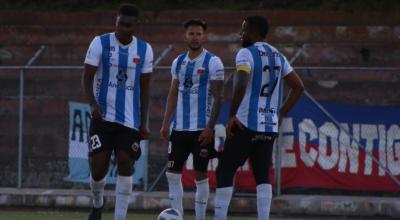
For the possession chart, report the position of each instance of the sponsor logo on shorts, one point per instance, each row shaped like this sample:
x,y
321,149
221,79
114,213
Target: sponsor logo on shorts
x,y
261,137
135,147
203,153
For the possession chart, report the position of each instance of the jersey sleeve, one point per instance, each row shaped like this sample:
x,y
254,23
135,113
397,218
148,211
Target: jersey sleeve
x,y
93,54
243,62
287,68
216,68
174,74
148,60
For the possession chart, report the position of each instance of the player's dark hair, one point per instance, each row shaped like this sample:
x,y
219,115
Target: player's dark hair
x,y
128,9
195,22
258,24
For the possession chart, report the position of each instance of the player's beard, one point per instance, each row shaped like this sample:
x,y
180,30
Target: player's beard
x,y
195,48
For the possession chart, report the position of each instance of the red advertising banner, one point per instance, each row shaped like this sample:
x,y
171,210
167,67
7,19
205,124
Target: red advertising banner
x,y
316,153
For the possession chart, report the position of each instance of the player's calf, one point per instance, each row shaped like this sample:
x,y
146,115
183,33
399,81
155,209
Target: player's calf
x,y
175,190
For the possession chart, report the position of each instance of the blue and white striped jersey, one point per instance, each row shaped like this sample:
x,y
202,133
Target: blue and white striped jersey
x,y
259,109
117,82
195,100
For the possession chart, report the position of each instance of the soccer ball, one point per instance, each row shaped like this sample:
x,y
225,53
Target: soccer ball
x,y
170,214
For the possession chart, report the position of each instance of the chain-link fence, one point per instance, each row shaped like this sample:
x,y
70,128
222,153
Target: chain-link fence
x,y
317,151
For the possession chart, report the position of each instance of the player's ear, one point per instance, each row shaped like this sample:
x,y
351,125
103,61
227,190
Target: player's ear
x,y
116,20
184,36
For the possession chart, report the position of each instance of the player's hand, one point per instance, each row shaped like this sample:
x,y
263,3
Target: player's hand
x,y
95,112
206,136
144,132
233,121
164,133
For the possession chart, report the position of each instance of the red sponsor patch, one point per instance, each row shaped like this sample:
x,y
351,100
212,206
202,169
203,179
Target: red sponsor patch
x,y
200,71
136,60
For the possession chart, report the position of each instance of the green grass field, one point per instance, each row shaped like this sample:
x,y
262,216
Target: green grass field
x,y
30,214
42,215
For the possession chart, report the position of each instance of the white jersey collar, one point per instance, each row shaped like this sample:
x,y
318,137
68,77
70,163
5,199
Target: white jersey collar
x,y
122,45
198,57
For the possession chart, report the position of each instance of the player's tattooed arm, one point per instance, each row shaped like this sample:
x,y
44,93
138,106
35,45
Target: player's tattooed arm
x,y
145,80
87,86
217,91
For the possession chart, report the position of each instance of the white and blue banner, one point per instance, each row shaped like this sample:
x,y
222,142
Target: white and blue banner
x,y
79,123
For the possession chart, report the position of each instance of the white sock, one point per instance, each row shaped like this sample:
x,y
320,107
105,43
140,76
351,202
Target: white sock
x,y
175,190
264,197
97,188
222,199
202,192
123,192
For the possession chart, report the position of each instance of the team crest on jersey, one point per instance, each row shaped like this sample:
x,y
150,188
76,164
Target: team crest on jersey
x,y
200,71
188,83
122,76
136,59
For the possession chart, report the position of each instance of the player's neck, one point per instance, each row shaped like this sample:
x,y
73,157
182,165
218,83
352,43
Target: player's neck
x,y
259,40
193,54
123,39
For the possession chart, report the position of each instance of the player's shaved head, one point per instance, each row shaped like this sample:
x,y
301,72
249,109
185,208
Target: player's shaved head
x,y
126,22
128,10
195,22
257,24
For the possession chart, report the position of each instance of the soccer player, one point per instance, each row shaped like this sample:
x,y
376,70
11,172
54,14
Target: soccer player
x,y
116,83
255,114
195,95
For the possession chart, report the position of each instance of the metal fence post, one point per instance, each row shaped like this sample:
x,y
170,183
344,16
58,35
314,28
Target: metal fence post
x,y
20,126
21,113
